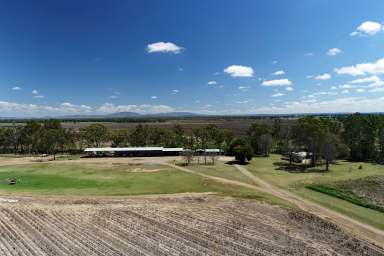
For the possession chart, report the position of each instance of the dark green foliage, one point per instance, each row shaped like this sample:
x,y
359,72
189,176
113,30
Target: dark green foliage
x,y
345,195
241,150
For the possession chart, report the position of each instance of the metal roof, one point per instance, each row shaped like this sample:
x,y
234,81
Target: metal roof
x,y
132,149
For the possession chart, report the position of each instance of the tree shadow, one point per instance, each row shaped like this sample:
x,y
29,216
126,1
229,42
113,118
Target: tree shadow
x,y
296,168
236,162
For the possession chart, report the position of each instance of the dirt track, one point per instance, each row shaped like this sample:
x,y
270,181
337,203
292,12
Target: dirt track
x,y
187,225
372,234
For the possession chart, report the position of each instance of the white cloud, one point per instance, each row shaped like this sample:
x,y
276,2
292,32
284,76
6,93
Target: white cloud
x,y
289,89
278,73
206,106
308,54
144,108
277,82
243,88
380,89
367,28
212,82
371,79
333,88
279,94
154,97
20,109
360,90
275,62
16,88
347,105
175,91
164,47
113,97
325,76
35,92
239,71
345,91
309,76
38,96
362,68
334,51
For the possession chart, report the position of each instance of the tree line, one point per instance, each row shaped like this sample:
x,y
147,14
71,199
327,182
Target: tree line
x,y
355,137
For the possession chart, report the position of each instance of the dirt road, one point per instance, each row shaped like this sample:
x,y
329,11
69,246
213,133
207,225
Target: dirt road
x,y
367,232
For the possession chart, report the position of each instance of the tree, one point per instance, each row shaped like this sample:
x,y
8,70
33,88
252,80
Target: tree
x,y
96,134
309,134
254,133
139,136
188,156
120,138
266,144
241,150
329,150
243,153
359,135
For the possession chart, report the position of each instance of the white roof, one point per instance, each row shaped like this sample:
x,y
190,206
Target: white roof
x,y
172,149
132,149
123,149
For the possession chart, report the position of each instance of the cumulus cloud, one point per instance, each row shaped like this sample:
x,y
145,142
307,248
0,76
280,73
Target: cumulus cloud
x,y
360,90
277,82
243,88
334,51
16,88
278,73
362,69
212,82
21,109
371,79
239,71
347,105
367,28
279,94
289,89
38,96
175,91
166,47
325,76
154,97
144,108
35,92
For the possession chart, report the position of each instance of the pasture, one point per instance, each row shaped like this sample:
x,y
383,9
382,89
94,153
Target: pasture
x,y
271,170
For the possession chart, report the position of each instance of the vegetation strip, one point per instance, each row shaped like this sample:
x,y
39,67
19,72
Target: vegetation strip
x,y
345,195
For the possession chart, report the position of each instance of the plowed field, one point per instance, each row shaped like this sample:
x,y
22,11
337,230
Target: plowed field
x,y
178,225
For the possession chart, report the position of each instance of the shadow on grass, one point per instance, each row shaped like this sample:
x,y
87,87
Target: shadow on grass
x,y
236,162
296,168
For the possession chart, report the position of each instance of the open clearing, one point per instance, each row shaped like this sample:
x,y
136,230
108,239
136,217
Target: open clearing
x,y
74,181
177,225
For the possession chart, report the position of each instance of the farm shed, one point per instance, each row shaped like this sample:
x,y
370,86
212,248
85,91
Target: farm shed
x,y
134,151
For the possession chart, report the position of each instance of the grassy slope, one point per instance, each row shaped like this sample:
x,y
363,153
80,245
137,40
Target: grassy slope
x,y
84,180
296,182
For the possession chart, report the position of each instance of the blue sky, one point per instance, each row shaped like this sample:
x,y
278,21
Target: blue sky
x,y
213,57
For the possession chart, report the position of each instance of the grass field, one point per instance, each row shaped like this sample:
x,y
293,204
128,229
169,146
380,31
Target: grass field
x,y
268,169
220,169
114,180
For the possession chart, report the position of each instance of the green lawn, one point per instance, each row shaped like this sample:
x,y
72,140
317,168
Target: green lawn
x,y
74,179
267,169
220,169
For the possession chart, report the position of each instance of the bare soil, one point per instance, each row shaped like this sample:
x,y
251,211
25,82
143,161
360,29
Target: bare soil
x,y
172,225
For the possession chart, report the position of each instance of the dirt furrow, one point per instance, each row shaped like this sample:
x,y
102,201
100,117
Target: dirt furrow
x,y
204,239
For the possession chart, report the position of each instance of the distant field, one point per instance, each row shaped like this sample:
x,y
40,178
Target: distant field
x,y
238,126
268,169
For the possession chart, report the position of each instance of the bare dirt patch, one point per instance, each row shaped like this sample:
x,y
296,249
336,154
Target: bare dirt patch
x,y
172,225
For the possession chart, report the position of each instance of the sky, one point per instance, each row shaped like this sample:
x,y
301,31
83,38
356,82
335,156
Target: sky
x,y
219,57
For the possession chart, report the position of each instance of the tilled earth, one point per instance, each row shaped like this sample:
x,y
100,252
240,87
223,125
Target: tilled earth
x,y
169,225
